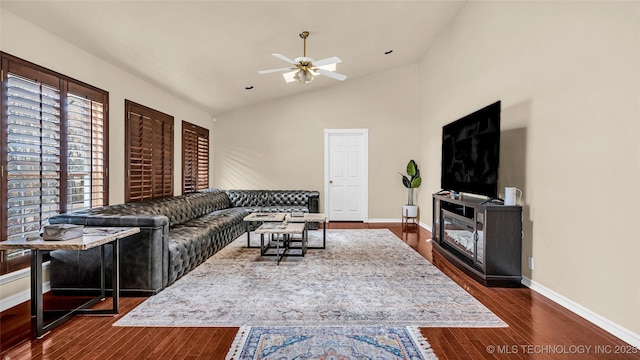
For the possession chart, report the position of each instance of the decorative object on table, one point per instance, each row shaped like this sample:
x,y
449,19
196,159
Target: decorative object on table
x,y
411,181
62,232
297,214
371,342
237,287
510,194
304,69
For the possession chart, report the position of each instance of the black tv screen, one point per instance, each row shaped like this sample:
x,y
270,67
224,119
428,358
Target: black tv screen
x,y
471,153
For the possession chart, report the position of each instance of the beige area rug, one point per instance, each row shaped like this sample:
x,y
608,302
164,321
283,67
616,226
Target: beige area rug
x,y
363,278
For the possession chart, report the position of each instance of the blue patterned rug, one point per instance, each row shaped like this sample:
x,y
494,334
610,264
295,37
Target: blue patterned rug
x,y
345,343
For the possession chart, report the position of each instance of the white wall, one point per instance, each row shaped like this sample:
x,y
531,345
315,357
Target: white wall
x,y
280,144
568,74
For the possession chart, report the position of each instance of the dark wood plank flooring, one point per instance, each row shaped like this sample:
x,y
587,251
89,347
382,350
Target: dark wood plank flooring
x,y
538,328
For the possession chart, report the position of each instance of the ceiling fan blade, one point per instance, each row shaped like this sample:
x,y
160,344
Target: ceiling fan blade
x,y
327,61
331,74
289,77
262,72
284,58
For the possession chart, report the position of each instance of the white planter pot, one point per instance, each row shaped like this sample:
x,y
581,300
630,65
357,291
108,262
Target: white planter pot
x,y
410,210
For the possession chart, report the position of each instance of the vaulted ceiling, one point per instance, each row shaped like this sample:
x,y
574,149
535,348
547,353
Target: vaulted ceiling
x,y
207,52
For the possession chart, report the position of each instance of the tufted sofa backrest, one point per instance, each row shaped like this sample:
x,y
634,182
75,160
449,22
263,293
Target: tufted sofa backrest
x,y
247,198
289,198
209,200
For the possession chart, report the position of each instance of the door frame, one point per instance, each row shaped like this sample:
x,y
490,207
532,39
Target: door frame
x,y
365,168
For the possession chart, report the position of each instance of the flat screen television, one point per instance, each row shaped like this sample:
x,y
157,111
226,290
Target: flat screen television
x,y
471,153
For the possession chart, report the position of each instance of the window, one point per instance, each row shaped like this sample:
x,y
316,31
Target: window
x,y
195,158
149,153
54,150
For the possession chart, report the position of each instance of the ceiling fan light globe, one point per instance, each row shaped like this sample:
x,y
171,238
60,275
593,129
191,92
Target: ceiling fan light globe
x,y
304,77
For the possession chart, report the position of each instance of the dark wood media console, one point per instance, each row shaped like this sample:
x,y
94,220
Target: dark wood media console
x,y
482,239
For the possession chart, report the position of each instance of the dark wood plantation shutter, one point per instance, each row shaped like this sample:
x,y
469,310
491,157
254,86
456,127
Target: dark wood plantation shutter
x,y
203,159
149,152
54,150
195,157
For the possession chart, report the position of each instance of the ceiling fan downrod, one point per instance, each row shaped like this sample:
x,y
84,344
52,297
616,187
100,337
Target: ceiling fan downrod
x,y
304,35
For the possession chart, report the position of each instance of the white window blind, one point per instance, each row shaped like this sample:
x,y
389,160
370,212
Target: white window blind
x,y
33,155
85,159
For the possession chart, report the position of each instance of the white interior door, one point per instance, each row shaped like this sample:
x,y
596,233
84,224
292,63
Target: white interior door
x,y
346,174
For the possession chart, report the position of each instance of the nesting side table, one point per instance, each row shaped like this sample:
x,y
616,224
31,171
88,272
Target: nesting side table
x,y
97,237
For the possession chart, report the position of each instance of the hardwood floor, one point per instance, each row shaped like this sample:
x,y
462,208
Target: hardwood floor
x,y
538,328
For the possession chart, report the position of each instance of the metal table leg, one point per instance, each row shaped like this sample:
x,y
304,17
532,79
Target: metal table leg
x,y
324,237
37,305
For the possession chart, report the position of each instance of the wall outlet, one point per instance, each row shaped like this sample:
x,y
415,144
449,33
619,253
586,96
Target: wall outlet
x,y
531,264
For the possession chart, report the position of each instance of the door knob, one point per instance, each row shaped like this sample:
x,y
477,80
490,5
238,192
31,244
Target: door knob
x,y
330,181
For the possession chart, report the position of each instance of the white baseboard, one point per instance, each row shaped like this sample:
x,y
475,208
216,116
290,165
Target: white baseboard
x,y
609,326
19,298
24,295
370,220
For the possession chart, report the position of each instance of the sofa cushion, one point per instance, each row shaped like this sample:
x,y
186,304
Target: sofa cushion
x,y
194,241
187,249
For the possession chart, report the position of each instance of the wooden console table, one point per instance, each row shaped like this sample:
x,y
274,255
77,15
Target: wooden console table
x,y
98,237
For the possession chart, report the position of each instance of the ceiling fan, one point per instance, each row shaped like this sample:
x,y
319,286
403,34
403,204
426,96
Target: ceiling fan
x,y
305,69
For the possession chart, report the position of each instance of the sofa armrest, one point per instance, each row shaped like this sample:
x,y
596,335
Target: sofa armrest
x,y
314,202
115,220
144,257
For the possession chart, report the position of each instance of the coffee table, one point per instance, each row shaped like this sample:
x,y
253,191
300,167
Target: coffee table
x,y
100,237
262,218
281,229
307,218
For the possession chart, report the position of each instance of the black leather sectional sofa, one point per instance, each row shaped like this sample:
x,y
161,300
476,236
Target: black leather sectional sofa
x,y
176,235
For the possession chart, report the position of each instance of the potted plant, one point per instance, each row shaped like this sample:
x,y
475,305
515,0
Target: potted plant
x,y
411,181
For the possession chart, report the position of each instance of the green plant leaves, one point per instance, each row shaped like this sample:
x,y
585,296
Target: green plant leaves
x,y
412,179
412,168
406,182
